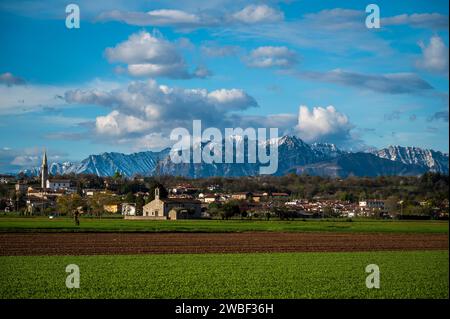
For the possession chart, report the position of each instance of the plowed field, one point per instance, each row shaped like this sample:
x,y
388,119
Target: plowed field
x,y
248,242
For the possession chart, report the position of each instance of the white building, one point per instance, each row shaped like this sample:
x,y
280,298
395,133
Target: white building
x,y
58,184
371,204
210,198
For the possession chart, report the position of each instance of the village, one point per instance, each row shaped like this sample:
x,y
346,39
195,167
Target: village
x,y
185,201
62,197
171,199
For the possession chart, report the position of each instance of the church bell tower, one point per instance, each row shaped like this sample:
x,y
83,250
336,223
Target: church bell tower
x,y
44,171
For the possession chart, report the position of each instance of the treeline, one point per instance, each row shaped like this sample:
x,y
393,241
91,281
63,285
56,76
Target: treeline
x,y
430,186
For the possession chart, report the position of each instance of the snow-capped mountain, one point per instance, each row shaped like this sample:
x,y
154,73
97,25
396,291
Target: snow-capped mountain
x,y
60,168
294,156
107,164
435,161
327,149
32,171
360,164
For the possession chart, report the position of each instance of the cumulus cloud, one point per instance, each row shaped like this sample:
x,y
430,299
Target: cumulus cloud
x,y
394,83
323,125
150,56
13,160
434,56
250,14
19,99
418,20
285,122
116,123
165,16
145,108
337,30
162,17
9,79
144,113
257,14
272,57
154,141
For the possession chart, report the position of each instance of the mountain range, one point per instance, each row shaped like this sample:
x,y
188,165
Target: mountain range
x,y
295,156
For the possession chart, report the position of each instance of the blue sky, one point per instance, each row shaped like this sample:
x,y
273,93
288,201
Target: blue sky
x,y
135,70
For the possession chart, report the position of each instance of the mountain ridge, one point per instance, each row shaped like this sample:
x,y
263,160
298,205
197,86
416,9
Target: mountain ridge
x,y
295,155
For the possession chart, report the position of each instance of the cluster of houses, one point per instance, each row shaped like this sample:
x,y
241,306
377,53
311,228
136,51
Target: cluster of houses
x,y
340,208
186,201
40,198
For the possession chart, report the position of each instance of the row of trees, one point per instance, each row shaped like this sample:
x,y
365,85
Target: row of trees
x,y
430,186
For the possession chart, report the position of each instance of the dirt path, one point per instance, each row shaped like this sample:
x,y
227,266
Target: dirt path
x,y
129,243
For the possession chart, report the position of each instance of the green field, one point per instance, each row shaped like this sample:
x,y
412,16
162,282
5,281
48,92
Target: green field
x,y
418,274
44,224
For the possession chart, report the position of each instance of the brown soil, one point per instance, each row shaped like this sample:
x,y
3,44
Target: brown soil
x,y
149,243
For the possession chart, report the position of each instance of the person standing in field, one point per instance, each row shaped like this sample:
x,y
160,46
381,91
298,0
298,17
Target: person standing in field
x,y
76,218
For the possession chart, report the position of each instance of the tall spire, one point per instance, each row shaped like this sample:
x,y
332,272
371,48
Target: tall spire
x,y
44,171
44,158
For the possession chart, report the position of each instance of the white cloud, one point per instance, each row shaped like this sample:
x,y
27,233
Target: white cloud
x,y
233,99
144,113
257,14
418,20
25,160
150,56
272,57
9,79
393,83
156,70
323,124
434,56
14,159
165,16
144,108
116,123
143,47
153,141
162,17
339,31
250,14
18,99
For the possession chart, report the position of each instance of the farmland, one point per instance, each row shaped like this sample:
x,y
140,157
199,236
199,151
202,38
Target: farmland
x,y
413,274
62,224
222,258
183,243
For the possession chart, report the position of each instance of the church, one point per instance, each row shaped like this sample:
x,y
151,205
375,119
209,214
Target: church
x,y
54,184
171,208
